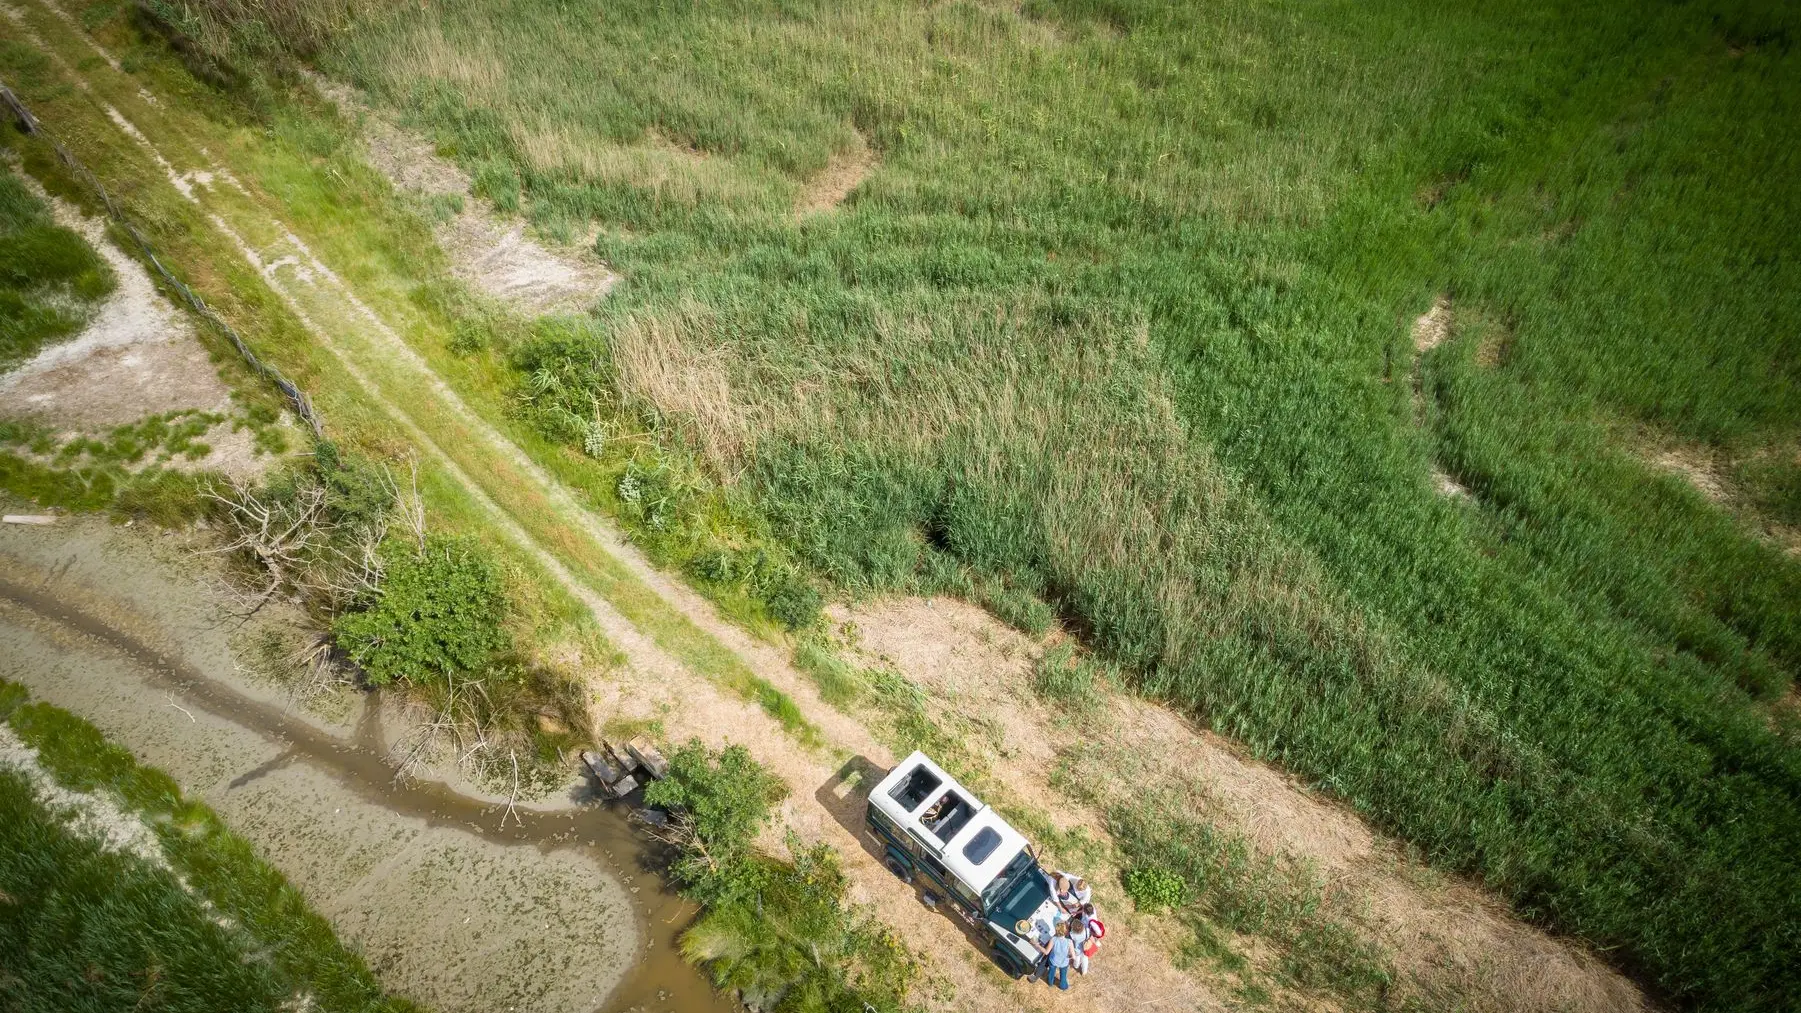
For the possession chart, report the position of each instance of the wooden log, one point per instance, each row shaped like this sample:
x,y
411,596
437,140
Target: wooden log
x,y
621,760
598,765
647,754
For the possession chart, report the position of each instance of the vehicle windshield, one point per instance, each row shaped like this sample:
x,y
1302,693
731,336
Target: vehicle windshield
x,y
1017,892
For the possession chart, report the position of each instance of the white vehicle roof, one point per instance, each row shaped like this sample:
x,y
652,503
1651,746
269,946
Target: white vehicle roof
x,y
977,851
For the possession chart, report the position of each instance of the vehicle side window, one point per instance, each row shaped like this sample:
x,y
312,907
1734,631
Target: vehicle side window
x,y
938,869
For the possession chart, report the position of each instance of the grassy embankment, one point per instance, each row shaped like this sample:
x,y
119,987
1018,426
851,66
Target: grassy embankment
x,y
1120,320
529,623
91,926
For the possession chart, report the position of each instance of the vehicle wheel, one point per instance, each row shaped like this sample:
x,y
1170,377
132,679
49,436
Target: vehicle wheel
x,y
901,872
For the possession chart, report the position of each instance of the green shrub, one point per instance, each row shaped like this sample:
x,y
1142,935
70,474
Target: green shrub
x,y
438,613
358,493
777,933
1155,889
787,596
725,798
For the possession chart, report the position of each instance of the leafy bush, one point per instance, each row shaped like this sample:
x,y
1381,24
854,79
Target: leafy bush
x,y
438,613
723,799
793,948
777,933
1155,889
786,595
358,493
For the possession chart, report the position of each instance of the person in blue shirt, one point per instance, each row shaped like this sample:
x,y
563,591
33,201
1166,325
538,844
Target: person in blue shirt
x,y
1058,954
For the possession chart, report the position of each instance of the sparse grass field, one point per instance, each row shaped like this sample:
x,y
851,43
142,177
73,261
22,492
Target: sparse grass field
x,y
1118,325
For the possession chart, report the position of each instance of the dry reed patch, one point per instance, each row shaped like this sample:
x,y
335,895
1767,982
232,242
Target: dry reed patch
x,y
670,172
1445,935
426,55
676,381
846,170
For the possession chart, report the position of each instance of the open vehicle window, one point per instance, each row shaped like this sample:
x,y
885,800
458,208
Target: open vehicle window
x,y
918,786
947,815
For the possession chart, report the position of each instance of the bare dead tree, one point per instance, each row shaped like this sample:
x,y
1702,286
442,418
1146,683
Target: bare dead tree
x,y
679,832
279,533
514,797
410,506
321,671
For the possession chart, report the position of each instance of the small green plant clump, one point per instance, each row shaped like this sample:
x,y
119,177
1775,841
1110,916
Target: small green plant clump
x,y
167,436
775,932
438,613
1214,879
1155,889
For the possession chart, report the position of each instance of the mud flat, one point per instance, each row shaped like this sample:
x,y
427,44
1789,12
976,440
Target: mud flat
x,y
553,911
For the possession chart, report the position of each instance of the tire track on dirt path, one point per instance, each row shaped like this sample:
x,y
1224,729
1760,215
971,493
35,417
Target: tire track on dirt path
x,y
302,282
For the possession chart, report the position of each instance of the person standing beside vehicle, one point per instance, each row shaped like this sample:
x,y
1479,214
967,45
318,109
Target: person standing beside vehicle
x,y
1058,956
1080,935
1081,891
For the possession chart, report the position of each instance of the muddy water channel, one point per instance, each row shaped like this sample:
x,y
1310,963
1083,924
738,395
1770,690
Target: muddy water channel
x,y
557,910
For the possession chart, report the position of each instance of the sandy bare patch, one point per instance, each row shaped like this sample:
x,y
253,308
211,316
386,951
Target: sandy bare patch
x,y
491,254
845,171
137,357
1432,327
1698,468
1447,486
1446,934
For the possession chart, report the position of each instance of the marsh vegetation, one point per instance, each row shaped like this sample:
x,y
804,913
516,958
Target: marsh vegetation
x,y
1111,325
1119,322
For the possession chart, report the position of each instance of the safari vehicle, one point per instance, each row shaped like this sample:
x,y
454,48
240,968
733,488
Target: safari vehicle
x,y
932,826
